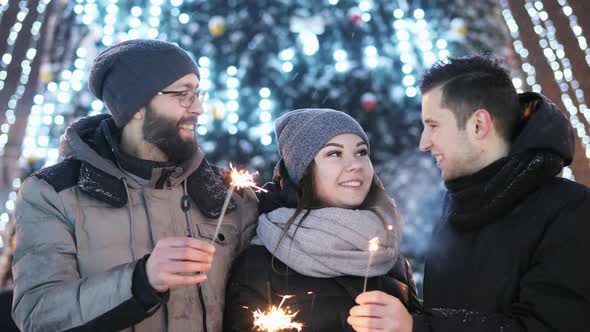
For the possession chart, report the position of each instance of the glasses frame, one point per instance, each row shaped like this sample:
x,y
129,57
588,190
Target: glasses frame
x,y
188,96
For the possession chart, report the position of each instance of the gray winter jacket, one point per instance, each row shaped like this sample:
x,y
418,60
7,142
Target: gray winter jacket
x,y
84,226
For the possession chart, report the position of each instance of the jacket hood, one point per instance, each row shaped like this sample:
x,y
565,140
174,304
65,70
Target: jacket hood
x,y
81,141
89,149
542,146
543,127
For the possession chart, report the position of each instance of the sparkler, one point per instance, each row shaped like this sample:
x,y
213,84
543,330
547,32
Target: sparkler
x,y
312,299
312,302
276,319
239,179
373,246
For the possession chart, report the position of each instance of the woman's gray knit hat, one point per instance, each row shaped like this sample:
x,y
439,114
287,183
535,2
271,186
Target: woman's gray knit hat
x,y
301,134
127,75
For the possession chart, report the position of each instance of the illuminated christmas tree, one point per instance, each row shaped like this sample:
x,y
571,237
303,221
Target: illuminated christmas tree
x,y
259,59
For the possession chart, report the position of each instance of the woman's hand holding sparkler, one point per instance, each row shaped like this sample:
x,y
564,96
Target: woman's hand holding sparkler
x,y
379,311
178,261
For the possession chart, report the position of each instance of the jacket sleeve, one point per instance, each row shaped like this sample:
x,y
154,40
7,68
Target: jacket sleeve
x,y
403,286
49,294
554,293
413,302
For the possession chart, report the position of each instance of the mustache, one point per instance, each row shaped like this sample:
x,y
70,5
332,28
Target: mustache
x,y
188,119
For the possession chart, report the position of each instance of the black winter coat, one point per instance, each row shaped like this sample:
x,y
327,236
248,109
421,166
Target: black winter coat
x,y
511,251
323,304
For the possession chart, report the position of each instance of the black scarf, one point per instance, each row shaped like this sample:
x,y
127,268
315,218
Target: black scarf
x,y
477,200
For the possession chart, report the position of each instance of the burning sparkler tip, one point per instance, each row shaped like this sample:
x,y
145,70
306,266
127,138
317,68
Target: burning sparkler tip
x,y
374,244
276,319
242,179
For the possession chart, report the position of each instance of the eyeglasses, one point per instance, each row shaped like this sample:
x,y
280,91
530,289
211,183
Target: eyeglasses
x,y
186,98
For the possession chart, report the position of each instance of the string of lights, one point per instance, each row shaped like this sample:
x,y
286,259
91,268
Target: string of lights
x,y
404,46
576,28
4,5
565,62
36,140
527,67
265,116
205,84
15,30
418,30
155,10
232,106
554,52
31,53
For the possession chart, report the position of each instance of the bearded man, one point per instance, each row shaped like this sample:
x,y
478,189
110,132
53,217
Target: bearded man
x,y
117,235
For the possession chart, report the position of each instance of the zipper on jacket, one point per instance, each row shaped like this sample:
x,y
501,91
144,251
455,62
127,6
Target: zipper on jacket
x,y
185,205
165,176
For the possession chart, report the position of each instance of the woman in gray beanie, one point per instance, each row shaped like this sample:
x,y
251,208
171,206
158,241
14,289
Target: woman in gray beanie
x,y
323,207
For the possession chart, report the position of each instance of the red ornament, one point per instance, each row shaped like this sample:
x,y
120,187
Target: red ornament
x,y
369,102
355,16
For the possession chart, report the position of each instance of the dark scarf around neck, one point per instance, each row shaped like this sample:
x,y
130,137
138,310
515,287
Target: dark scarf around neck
x,y
479,199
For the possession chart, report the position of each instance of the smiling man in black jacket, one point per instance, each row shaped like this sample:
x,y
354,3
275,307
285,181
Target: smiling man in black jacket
x,y
509,251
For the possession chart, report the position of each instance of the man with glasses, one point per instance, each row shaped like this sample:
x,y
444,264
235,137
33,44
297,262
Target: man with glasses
x,y
117,235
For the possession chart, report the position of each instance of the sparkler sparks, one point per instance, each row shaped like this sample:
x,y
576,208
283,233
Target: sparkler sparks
x,y
374,244
276,319
239,179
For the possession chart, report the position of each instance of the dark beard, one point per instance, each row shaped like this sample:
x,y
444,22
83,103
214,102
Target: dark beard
x,y
164,134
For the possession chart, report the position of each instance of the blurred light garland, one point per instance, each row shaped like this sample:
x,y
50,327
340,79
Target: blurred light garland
x,y
15,30
527,67
4,5
554,52
31,53
576,28
13,100
245,108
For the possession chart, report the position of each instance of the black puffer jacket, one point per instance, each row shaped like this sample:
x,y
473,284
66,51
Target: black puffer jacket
x,y
323,304
511,250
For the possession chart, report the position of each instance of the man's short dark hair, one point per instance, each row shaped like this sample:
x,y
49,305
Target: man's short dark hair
x,y
472,83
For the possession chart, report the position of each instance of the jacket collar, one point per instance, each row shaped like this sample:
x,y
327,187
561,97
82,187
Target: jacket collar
x,y
108,141
206,186
542,145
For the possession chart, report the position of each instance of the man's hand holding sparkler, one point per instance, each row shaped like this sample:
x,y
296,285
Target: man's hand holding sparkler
x,y
379,311
178,261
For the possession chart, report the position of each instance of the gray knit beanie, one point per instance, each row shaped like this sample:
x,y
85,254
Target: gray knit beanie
x,y
301,134
127,75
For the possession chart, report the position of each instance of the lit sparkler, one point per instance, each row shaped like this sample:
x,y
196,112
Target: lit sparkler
x,y
276,319
373,246
239,179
